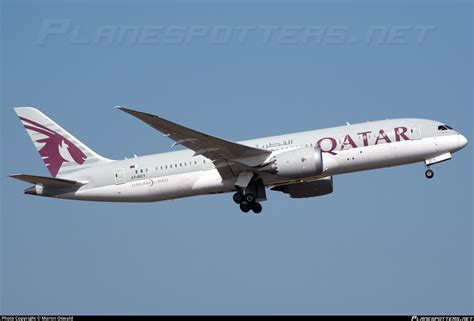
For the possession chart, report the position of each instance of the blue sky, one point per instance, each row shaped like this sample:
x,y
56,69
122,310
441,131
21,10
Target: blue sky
x,y
387,241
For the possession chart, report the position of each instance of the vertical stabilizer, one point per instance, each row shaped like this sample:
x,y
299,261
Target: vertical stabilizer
x,y
61,152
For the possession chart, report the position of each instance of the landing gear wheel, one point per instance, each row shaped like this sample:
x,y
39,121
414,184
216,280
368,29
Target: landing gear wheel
x,y
238,198
257,208
429,174
250,198
244,207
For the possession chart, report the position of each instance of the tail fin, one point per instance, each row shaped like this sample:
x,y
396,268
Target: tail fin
x,y
62,153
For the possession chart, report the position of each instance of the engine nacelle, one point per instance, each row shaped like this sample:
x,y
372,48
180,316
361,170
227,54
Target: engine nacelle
x,y
307,189
297,163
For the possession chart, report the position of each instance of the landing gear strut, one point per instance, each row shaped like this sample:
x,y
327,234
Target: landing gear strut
x,y
429,173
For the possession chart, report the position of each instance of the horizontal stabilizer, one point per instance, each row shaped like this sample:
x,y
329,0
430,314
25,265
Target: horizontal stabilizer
x,y
46,181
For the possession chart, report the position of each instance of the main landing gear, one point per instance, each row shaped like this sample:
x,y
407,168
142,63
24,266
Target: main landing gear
x,y
250,192
247,202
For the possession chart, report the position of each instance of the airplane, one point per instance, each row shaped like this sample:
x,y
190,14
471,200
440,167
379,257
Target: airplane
x,y
301,165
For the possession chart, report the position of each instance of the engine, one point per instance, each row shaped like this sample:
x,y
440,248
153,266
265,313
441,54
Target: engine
x,y
307,189
297,163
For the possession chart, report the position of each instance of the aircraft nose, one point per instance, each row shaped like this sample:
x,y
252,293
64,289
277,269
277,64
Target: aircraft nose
x,y
462,141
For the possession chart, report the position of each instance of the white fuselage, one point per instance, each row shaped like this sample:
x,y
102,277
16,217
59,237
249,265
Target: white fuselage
x,y
346,149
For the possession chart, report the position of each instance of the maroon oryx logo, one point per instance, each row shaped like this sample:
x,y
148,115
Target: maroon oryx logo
x,y
56,149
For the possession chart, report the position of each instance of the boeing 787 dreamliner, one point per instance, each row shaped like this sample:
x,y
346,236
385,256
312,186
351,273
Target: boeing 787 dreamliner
x,y
300,164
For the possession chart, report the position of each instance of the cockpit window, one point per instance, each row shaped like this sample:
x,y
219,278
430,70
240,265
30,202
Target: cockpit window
x,y
448,127
441,127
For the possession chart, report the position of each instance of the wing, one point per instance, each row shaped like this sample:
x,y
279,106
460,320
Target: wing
x,y
217,149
